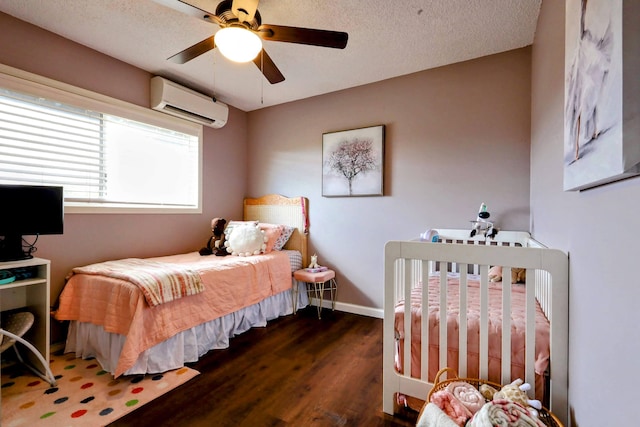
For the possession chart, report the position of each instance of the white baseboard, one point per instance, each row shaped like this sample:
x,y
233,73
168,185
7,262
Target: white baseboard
x,y
353,309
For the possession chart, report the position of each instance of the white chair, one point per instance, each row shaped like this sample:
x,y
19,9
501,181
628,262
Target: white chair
x,y
15,325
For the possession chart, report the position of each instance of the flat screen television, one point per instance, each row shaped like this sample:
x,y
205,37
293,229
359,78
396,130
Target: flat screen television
x,y
28,210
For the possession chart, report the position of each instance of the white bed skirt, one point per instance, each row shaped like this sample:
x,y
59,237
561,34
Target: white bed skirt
x,y
87,340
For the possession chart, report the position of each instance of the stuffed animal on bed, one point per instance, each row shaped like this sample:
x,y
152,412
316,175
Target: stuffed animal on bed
x,y
514,392
215,245
518,275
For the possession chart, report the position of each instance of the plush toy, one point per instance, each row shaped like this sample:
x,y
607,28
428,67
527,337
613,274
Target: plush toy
x,y
483,227
215,245
314,261
518,275
246,240
515,392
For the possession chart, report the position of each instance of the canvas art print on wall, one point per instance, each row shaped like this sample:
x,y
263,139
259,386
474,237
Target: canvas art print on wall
x,y
595,152
353,162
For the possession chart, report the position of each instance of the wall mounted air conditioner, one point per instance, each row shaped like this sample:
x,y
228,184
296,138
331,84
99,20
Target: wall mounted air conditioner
x,y
171,98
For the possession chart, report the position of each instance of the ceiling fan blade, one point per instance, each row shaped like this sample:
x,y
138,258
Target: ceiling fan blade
x,y
244,10
199,4
310,36
194,51
265,64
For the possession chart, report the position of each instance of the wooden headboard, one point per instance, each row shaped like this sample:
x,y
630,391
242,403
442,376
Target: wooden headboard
x,y
276,209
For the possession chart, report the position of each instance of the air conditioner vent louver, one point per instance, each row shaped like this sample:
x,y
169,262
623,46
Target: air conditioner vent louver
x,y
188,115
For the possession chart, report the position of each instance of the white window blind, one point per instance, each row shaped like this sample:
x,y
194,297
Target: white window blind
x,y
101,159
42,141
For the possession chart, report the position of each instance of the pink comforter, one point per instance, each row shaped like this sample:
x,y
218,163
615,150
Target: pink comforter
x,y
518,323
230,283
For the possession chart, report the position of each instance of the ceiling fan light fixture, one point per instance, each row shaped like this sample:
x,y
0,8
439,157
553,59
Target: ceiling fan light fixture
x,y
238,44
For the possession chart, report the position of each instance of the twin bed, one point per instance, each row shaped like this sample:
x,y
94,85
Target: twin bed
x,y
473,336
213,298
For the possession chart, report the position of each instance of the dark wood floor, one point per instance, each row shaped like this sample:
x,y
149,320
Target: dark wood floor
x,y
298,371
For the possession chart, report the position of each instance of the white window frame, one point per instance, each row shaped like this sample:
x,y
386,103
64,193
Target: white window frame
x,y
33,84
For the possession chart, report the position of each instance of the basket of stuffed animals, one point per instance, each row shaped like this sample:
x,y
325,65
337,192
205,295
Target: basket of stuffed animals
x,y
475,402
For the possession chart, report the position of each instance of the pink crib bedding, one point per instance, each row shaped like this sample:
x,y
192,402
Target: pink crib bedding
x,y
230,283
518,327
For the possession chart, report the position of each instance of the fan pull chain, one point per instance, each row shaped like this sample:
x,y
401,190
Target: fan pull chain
x,y
262,77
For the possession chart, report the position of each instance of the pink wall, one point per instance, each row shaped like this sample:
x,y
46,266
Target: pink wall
x,y
456,136
597,228
96,237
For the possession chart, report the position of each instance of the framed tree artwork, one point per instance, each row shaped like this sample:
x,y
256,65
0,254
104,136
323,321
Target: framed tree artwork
x,y
353,162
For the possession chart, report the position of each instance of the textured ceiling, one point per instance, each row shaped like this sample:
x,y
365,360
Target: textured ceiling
x,y
386,39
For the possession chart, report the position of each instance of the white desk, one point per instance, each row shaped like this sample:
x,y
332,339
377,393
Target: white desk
x,y
34,295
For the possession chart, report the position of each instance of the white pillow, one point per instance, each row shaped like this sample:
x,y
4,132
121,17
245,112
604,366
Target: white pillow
x,y
246,240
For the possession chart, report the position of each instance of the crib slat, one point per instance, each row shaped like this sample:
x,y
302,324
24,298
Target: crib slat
x,y
424,332
442,344
462,330
407,317
484,321
506,326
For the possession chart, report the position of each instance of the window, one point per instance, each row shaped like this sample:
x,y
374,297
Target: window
x,y
108,156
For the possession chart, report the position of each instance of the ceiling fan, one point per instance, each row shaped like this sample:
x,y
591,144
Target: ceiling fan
x,y
243,18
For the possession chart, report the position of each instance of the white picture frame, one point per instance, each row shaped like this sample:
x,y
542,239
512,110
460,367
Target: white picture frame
x,y
353,162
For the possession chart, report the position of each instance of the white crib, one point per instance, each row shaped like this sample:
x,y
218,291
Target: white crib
x,y
454,254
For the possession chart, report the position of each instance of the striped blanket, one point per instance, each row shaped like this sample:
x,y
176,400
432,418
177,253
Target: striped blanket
x,y
160,282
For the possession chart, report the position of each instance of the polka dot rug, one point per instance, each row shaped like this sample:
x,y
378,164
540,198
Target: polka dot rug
x,y
85,395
